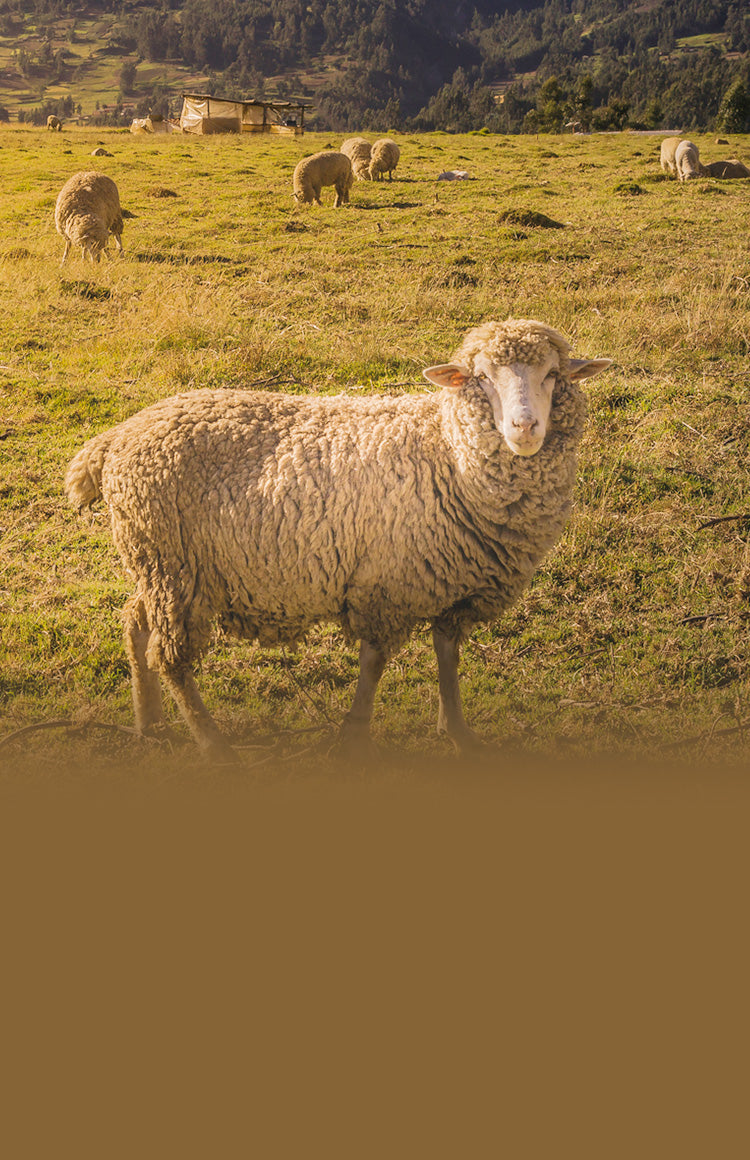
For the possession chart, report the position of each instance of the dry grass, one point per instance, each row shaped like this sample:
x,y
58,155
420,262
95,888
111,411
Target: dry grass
x,y
633,635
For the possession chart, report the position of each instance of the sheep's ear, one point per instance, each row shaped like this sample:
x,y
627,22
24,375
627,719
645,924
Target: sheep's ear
x,y
585,368
447,375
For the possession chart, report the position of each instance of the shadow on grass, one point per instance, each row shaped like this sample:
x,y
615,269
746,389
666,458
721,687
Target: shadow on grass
x,y
177,259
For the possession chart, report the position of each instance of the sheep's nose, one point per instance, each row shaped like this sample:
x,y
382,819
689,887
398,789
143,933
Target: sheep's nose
x,y
526,424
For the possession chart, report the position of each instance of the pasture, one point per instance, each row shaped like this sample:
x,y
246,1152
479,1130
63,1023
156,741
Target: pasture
x,y
633,637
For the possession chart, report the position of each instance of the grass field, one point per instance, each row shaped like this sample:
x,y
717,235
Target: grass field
x,y
633,637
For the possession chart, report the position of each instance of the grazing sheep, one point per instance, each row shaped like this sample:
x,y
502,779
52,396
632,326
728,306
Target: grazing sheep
x,y
326,168
357,149
87,211
668,150
54,123
687,161
270,512
730,168
384,158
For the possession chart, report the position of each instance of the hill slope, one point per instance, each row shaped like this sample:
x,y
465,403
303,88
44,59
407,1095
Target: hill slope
x,y
428,63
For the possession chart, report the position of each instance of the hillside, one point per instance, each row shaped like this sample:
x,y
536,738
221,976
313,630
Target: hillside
x,y
426,64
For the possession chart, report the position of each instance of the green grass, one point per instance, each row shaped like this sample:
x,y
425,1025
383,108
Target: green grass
x,y
634,634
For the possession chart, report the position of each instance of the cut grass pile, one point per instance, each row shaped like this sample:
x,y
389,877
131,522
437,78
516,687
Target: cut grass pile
x,y
633,637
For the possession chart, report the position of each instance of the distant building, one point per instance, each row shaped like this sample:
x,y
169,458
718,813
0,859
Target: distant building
x,y
203,113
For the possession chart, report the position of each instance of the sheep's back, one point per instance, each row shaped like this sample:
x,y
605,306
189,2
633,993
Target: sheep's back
x,y
384,156
667,152
325,167
89,195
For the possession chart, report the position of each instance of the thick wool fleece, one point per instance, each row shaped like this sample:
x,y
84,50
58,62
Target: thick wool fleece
x,y
326,168
88,210
384,158
272,512
357,149
518,340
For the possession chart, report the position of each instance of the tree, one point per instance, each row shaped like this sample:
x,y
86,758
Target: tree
x,y
127,77
734,111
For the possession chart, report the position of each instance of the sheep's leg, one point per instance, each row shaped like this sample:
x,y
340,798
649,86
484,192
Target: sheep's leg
x,y
66,250
355,729
147,704
206,733
451,715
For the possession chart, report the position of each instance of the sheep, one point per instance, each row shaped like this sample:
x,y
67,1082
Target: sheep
x,y
270,512
326,168
54,123
454,175
384,158
687,161
668,149
730,168
87,211
357,149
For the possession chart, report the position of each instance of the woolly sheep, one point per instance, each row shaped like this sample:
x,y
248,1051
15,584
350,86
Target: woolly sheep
x,y
668,149
54,123
357,149
730,168
384,158
87,211
687,161
270,512
326,168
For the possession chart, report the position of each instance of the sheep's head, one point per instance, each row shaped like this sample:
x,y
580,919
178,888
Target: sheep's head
x,y
517,364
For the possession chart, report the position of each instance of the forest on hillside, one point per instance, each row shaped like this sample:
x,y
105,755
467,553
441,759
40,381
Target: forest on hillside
x,y
507,65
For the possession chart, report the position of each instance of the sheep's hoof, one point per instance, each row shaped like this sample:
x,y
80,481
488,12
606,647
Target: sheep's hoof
x,y
161,732
354,745
465,740
217,751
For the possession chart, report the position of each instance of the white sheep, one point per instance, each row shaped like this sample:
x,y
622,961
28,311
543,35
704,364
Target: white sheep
x,y
687,161
358,150
384,158
54,123
270,512
667,152
87,211
326,168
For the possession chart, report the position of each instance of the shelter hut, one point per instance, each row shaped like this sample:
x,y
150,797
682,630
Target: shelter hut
x,y
203,113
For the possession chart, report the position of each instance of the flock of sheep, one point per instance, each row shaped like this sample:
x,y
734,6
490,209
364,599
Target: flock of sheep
x,y
270,512
356,159
88,212
681,159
